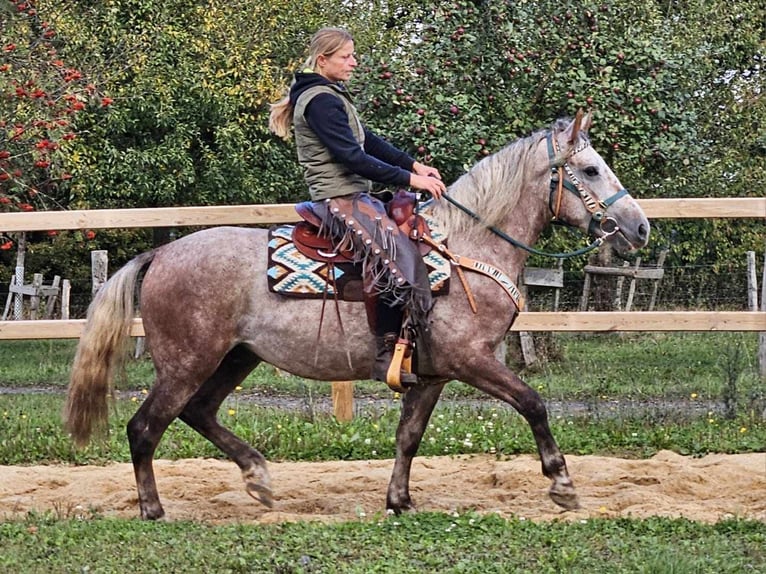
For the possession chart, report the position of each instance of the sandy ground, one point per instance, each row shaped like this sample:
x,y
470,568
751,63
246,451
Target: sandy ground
x,y
705,489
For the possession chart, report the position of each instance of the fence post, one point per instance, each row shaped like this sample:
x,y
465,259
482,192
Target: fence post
x,y
34,303
99,262
66,288
343,400
18,301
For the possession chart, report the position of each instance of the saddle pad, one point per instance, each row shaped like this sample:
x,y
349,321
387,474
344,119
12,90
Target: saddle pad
x,y
293,274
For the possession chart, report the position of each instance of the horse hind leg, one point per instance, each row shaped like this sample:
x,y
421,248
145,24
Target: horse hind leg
x,y
145,429
200,414
169,397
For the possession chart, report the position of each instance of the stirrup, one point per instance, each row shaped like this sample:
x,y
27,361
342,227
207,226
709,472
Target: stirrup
x,y
401,360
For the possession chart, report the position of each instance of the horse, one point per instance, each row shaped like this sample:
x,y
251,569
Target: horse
x,y
203,347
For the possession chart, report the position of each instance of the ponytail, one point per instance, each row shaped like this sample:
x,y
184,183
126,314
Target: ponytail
x,y
281,118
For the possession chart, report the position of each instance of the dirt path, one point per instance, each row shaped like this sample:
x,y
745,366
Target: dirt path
x,y
705,489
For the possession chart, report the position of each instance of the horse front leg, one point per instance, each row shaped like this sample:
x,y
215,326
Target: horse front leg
x,y
417,405
489,375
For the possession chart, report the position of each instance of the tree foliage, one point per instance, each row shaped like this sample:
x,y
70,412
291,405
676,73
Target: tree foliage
x,y
43,98
166,103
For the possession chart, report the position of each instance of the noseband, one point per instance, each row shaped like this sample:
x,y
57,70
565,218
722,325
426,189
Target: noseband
x,y
597,209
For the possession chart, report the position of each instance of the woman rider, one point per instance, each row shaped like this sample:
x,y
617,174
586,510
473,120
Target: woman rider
x,y
340,159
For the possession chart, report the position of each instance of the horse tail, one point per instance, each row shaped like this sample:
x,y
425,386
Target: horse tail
x,y
101,352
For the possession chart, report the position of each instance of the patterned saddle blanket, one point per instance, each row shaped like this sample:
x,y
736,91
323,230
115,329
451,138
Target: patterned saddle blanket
x,y
293,274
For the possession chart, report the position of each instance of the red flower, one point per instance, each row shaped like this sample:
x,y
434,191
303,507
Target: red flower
x,y
5,154
26,207
52,233
42,163
5,200
90,235
106,101
6,246
4,176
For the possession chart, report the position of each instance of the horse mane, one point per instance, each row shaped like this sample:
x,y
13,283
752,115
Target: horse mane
x,y
493,186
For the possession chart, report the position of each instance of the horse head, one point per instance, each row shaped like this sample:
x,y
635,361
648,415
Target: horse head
x,y
584,191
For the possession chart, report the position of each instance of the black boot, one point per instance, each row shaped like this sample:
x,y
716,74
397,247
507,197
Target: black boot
x,y
384,353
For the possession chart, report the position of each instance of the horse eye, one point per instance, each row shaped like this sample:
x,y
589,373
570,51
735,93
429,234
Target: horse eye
x,y
591,171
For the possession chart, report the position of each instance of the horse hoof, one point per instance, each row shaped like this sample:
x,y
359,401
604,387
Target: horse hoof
x,y
565,497
257,484
261,493
398,509
155,514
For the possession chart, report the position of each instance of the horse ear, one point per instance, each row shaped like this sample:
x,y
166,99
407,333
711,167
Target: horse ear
x,y
587,121
574,128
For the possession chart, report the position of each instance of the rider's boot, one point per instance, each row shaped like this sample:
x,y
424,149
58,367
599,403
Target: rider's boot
x,y
386,323
384,353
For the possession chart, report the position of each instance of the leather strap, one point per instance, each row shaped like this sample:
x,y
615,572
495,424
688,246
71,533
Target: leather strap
x,y
394,373
490,271
494,273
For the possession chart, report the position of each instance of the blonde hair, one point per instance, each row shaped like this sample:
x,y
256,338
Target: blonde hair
x,y
325,42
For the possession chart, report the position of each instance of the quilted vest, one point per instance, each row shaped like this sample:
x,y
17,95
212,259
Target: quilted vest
x,y
324,175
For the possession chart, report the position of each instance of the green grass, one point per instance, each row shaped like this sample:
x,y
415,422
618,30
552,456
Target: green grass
x,y
650,365
654,392
596,366
426,542
31,432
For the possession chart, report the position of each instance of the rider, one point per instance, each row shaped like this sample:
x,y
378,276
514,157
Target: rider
x,y
340,159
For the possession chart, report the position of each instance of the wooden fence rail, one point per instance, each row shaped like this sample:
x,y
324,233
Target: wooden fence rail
x,y
560,321
748,207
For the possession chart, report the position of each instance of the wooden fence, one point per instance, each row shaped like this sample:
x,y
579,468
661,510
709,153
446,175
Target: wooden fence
x,y
750,207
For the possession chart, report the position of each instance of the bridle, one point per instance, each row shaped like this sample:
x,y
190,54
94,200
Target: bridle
x,y
607,225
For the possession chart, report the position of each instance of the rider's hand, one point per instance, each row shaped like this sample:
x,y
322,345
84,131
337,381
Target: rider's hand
x,y
428,183
422,169
427,178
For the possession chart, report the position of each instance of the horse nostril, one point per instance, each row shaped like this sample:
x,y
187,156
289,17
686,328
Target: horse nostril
x,y
643,232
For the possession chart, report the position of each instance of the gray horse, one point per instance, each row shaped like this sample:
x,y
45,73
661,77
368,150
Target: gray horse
x,y
210,319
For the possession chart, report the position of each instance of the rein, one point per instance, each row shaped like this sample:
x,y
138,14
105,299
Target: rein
x,y
500,233
597,209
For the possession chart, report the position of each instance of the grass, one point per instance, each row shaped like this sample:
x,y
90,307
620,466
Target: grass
x,y
31,432
426,542
656,392
618,366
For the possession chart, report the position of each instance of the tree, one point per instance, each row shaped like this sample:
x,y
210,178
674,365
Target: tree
x,y
191,94
42,99
673,99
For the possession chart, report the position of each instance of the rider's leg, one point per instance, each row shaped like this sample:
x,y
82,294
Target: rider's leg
x,y
387,327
